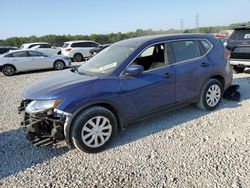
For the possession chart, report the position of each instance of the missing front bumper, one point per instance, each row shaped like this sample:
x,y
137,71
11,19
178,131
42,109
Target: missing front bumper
x,y
44,128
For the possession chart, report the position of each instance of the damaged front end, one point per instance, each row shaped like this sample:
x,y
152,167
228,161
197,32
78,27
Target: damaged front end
x,y
43,123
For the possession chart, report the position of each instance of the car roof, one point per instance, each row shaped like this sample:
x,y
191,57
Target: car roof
x,y
135,42
74,41
242,27
23,50
35,43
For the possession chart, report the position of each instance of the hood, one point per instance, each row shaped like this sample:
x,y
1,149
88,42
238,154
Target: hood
x,y
55,86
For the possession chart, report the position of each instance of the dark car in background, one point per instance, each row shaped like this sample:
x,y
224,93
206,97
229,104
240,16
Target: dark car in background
x,y
130,80
96,50
239,45
5,49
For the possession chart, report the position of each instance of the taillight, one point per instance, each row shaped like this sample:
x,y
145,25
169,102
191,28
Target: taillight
x,y
227,53
67,49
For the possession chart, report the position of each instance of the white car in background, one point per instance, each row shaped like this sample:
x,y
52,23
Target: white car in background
x,y
78,50
27,60
42,47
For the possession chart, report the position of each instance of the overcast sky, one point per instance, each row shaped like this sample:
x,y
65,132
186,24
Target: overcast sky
x,y
41,17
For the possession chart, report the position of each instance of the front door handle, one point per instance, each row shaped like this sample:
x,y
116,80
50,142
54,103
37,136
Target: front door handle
x,y
204,64
168,75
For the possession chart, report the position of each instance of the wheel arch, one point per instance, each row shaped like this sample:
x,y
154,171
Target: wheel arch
x,y
10,65
105,104
59,60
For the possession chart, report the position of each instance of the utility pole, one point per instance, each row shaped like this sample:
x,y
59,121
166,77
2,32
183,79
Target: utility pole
x,y
197,21
182,25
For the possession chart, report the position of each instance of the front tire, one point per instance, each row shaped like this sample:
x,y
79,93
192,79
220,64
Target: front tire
x,y
8,70
59,65
93,129
238,69
211,95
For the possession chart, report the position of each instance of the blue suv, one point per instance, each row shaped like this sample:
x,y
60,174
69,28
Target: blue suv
x,y
130,80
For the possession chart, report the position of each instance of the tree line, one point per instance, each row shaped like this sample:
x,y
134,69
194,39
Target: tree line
x,y
58,40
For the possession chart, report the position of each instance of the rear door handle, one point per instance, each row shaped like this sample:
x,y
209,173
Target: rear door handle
x,y
168,75
204,64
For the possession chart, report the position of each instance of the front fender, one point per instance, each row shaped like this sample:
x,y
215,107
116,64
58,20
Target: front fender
x,y
70,120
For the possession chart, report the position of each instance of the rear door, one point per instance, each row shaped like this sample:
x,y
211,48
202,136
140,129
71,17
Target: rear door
x,y
39,60
191,67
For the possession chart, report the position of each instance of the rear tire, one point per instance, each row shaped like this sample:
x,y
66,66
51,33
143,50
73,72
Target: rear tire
x,y
238,69
210,96
93,129
78,57
8,70
59,65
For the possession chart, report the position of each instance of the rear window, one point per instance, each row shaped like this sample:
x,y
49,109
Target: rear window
x,y
65,45
240,35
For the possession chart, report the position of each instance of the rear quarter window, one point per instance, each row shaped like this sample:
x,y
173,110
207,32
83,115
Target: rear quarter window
x,y
205,45
65,45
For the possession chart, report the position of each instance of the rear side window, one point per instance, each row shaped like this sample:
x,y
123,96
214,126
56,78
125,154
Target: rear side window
x,y
79,45
84,45
34,54
240,35
45,46
185,50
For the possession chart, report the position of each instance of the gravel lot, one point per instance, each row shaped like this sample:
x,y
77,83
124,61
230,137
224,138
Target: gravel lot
x,y
184,148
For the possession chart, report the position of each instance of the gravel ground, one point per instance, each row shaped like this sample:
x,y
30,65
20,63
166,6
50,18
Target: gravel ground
x,y
184,148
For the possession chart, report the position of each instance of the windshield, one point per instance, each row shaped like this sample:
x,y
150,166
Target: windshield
x,y
106,61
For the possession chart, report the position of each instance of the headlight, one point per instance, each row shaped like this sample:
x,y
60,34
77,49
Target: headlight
x,y
41,106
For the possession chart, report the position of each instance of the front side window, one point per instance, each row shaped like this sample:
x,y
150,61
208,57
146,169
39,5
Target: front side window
x,y
152,57
106,61
185,50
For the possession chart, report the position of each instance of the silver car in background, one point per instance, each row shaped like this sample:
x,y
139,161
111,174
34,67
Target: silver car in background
x,y
27,60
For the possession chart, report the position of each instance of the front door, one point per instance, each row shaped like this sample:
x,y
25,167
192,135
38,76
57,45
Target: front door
x,y
151,91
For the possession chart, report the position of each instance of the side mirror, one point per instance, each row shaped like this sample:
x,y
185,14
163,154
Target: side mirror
x,y
53,47
134,70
